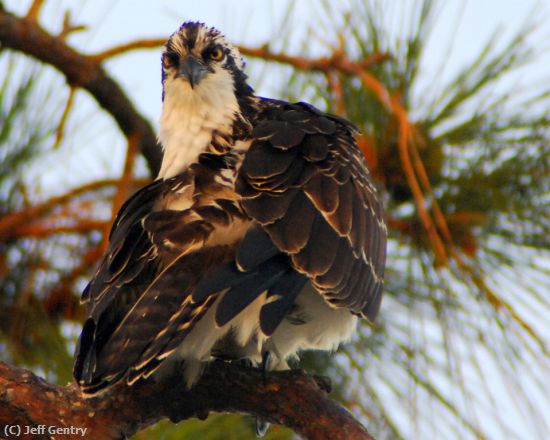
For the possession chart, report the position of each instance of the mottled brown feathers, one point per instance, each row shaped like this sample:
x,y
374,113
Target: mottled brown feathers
x,y
307,212
305,181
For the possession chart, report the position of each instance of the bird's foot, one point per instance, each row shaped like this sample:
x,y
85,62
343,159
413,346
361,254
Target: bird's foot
x,y
266,361
261,427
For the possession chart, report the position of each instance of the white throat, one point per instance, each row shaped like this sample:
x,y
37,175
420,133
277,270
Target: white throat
x,y
190,117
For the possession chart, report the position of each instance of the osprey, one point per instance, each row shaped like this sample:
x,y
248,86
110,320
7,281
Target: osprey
x,y
262,235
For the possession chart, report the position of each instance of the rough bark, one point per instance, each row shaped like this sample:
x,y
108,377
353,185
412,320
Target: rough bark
x,y
291,398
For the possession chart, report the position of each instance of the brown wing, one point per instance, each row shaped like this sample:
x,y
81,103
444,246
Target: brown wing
x,y
306,183
139,301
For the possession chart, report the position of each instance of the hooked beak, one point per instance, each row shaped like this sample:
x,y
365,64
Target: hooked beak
x,y
192,69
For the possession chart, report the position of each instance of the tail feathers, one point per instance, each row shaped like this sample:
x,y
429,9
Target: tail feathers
x,y
85,366
238,297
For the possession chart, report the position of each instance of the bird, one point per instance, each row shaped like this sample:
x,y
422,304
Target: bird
x,y
262,236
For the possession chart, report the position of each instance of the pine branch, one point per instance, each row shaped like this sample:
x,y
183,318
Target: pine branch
x,y
291,398
13,223
27,36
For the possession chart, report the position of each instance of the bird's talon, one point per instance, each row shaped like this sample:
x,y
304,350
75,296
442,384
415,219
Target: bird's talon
x,y
261,426
266,360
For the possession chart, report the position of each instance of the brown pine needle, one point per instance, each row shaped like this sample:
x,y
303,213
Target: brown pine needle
x,y
14,220
41,231
439,217
335,83
150,43
404,142
61,126
123,187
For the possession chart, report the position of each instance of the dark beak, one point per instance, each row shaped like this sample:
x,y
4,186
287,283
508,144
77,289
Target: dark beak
x,y
192,69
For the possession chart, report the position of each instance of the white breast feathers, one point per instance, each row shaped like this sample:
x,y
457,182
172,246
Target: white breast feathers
x,y
191,115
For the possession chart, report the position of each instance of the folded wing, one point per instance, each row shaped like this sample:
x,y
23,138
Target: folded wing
x,y
306,183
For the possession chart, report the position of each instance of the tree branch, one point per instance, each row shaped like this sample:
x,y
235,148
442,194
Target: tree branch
x,y
291,398
13,221
27,36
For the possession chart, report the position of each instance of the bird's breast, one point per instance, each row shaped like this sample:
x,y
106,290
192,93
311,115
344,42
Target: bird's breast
x,y
207,194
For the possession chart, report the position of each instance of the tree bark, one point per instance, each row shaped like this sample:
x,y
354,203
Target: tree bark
x,y
291,398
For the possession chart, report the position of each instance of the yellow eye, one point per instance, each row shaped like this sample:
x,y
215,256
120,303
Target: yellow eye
x,y
216,54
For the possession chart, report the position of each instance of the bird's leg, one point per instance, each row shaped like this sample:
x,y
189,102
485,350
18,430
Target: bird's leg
x,y
261,426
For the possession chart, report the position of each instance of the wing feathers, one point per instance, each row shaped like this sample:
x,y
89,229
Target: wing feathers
x,y
341,219
315,148
317,256
140,306
323,192
266,162
269,207
281,296
302,185
255,248
317,204
292,232
242,294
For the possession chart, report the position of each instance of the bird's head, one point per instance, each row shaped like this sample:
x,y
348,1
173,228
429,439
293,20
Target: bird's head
x,y
207,103
198,59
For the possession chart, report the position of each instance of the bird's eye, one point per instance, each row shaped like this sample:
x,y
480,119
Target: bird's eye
x,y
216,54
